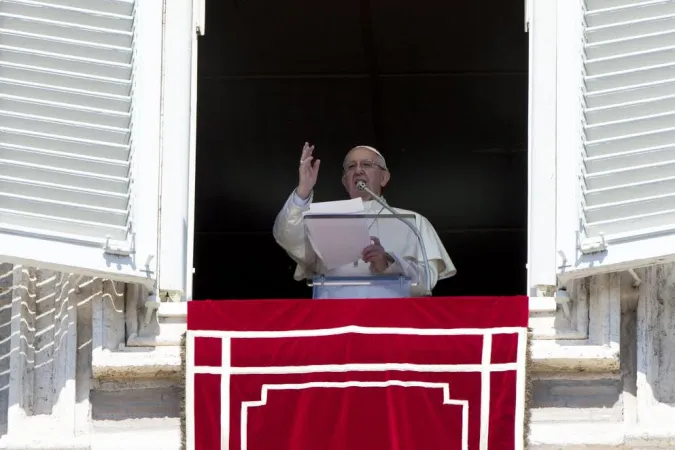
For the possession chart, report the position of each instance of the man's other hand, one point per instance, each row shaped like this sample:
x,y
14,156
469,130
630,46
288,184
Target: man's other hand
x,y
308,172
377,256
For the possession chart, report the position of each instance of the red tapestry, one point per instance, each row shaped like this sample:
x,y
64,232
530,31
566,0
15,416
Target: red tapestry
x,y
399,374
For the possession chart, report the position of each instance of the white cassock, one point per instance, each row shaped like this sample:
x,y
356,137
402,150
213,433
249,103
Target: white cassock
x,y
402,245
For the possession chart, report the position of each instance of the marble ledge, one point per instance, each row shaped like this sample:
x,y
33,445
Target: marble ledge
x,y
52,435
163,433
136,362
164,361
584,435
549,356
46,442
179,309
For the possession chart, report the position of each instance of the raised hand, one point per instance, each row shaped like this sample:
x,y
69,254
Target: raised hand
x,y
308,172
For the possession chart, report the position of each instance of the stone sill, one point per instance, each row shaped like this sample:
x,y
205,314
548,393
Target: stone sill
x,y
161,340
49,442
136,362
179,309
572,435
147,434
151,362
541,305
174,310
177,313
549,356
154,434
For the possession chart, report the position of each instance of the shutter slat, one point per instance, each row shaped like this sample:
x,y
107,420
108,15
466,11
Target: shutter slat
x,y
63,128
629,160
66,161
620,193
70,65
63,210
630,126
123,7
616,211
72,113
76,32
631,143
56,79
51,45
620,31
50,191
604,4
621,12
637,174
77,98
45,174
630,62
78,146
598,103
67,226
631,79
91,17
632,45
629,112
645,222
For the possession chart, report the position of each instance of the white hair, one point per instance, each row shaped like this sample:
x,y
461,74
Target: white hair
x,y
380,159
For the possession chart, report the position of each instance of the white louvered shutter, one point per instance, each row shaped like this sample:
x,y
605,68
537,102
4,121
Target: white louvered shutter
x,y
616,134
80,135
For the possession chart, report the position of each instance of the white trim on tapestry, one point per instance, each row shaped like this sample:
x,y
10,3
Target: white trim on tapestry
x,y
346,384
356,329
485,382
190,390
521,381
226,361
377,367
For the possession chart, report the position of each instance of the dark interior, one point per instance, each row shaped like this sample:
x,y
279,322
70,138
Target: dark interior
x,y
439,87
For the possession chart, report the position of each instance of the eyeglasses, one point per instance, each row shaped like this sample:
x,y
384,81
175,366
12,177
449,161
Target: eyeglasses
x,y
365,165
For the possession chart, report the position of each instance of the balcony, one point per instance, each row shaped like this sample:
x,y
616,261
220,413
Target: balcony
x,y
80,360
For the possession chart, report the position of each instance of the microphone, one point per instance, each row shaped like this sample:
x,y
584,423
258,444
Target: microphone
x,y
362,186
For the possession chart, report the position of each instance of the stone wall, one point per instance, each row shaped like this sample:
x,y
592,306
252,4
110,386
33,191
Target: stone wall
x,y
79,362
56,329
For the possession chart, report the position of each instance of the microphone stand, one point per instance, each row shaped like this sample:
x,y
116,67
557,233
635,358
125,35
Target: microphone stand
x,y
361,186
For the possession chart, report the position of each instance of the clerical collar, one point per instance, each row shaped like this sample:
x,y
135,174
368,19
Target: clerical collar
x,y
372,204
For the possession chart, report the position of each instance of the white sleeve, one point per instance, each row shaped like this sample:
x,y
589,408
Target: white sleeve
x,y
289,230
299,202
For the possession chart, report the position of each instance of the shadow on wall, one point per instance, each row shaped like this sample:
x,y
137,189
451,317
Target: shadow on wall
x,y
55,323
6,278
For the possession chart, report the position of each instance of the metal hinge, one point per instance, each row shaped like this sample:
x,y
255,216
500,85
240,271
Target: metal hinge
x,y
593,245
120,250
152,303
528,15
199,12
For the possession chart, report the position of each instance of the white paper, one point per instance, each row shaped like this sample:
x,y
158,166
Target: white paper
x,y
338,241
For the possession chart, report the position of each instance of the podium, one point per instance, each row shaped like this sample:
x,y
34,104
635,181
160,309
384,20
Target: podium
x,y
353,287
335,275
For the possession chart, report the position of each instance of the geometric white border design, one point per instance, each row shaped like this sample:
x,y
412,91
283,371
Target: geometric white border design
x,y
485,369
362,384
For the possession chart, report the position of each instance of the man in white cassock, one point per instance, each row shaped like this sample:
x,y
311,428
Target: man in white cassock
x,y
393,250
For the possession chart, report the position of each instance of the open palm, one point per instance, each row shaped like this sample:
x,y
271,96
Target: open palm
x,y
308,171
